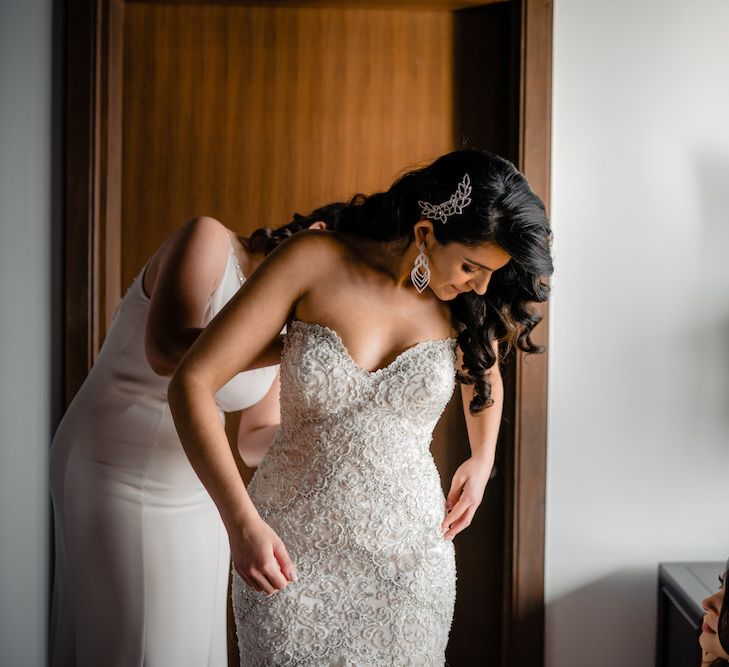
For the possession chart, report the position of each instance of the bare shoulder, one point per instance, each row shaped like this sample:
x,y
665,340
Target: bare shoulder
x,y
198,249
205,231
311,252
315,241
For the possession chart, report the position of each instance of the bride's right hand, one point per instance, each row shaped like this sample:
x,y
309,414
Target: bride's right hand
x,y
260,557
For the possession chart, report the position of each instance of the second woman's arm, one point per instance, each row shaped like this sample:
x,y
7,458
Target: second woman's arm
x,y
179,280
258,425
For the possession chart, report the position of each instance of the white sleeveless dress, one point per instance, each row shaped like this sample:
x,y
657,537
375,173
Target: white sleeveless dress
x,y
142,558
351,488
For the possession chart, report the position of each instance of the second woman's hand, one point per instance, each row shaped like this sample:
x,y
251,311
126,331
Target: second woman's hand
x,y
260,557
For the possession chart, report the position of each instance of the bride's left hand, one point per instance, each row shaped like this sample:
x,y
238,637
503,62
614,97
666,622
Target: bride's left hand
x,y
466,494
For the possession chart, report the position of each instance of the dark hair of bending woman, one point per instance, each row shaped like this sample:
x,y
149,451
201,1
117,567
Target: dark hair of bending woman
x,y
504,211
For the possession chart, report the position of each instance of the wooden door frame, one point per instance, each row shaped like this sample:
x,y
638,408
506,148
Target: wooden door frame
x,y
92,274
523,633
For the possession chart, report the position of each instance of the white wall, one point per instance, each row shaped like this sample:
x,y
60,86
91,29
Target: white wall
x,y
28,200
638,467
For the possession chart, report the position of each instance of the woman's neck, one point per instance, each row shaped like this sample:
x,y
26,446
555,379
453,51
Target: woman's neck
x,y
396,259
393,259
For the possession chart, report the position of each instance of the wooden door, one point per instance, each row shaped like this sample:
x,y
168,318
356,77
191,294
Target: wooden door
x,y
250,111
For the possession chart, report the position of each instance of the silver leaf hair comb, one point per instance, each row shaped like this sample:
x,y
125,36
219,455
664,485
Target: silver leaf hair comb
x,y
454,206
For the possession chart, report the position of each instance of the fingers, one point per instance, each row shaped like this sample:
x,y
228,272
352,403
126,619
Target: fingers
x,y
461,514
455,513
458,525
246,573
454,494
249,582
267,578
262,583
275,577
284,562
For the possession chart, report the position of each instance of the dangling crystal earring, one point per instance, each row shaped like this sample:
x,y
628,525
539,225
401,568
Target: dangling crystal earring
x,y
420,275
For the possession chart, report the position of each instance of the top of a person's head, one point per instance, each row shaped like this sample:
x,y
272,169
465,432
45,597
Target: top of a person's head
x,y
502,209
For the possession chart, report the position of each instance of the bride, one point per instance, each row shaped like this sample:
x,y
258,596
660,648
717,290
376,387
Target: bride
x,y
342,546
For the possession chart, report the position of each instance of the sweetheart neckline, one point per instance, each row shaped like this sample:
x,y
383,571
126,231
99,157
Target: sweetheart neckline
x,y
377,371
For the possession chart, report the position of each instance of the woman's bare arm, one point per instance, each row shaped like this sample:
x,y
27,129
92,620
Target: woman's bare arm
x,y
187,270
483,427
245,327
469,481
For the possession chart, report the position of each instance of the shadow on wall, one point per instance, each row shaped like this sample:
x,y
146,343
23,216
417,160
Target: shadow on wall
x,y
608,622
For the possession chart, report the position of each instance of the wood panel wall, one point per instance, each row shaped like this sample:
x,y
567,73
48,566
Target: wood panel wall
x,y
251,113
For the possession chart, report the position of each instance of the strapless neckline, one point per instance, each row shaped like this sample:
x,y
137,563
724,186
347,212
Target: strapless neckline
x,y
423,344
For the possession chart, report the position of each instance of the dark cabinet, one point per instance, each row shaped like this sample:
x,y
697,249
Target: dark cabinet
x,y
681,588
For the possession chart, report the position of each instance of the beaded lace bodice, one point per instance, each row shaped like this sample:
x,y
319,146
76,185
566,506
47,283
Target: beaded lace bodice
x,y
350,486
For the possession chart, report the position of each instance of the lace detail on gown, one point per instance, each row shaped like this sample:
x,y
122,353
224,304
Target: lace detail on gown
x,y
350,486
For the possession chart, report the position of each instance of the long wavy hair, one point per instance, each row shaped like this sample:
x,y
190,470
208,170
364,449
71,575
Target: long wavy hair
x,y
503,210
265,240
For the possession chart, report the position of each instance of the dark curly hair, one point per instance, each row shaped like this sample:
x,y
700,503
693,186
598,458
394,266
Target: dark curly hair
x,y
503,210
265,240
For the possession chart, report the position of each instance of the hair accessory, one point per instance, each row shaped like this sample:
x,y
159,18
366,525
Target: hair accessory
x,y
454,206
420,275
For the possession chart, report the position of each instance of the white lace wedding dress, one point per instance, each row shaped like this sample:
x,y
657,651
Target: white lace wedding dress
x,y
351,488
